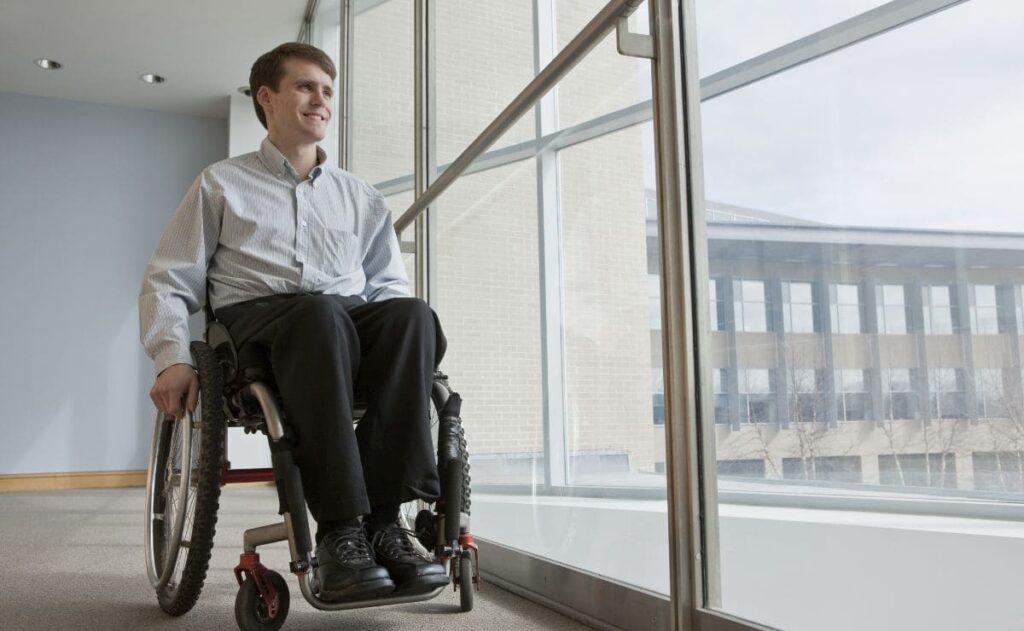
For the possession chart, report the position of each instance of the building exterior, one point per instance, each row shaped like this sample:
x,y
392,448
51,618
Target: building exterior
x,y
864,355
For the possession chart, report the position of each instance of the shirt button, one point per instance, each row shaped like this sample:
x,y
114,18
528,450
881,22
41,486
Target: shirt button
x,y
303,223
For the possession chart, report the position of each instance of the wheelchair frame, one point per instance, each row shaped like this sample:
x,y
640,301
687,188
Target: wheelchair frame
x,y
229,399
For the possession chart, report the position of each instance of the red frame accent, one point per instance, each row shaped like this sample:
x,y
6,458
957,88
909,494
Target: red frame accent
x,y
229,475
466,543
249,563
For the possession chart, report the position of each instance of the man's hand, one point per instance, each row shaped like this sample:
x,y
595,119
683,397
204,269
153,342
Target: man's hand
x,y
174,384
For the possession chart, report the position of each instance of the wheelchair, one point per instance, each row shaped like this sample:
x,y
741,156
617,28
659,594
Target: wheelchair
x,y
188,465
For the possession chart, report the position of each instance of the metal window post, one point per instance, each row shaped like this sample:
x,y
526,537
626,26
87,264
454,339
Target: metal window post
x,y
549,226
676,98
424,145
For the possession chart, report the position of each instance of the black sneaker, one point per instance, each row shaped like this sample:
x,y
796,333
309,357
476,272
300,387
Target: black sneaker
x,y
347,570
412,573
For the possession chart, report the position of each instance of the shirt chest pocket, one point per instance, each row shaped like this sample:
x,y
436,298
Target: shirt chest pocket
x,y
337,251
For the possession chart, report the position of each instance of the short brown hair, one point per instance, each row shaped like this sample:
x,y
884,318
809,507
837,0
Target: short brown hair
x,y
269,69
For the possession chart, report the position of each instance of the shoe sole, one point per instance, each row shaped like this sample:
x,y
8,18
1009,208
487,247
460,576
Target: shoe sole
x,y
360,591
422,585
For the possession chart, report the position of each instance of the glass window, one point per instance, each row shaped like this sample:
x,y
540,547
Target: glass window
x,y
720,382
806,396
658,391
717,306
933,469
899,401
938,310
984,314
845,309
999,471
382,93
1018,307
614,405
947,393
746,468
988,387
824,468
853,402
811,174
892,310
751,306
757,398
798,307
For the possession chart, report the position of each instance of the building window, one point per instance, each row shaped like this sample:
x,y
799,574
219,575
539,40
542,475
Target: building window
x,y
845,301
946,393
892,310
807,396
928,470
658,395
798,307
825,468
750,468
654,302
751,306
988,386
999,471
1018,307
717,305
938,310
853,401
719,380
899,401
757,396
984,313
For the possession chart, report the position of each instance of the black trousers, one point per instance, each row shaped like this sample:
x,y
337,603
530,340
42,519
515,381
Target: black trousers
x,y
323,350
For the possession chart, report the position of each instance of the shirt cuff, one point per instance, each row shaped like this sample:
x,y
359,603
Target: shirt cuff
x,y
164,361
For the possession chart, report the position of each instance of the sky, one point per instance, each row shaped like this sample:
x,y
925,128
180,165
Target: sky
x,y
920,127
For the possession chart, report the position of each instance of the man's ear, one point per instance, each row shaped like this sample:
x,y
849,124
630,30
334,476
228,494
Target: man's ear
x,y
263,98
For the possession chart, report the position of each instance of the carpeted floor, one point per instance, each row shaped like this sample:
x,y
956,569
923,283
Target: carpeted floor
x,y
73,560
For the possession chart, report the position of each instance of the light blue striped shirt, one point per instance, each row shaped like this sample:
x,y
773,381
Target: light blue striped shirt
x,y
250,226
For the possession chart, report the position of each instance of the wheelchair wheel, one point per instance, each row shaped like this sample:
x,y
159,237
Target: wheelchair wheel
x,y
466,581
252,613
183,491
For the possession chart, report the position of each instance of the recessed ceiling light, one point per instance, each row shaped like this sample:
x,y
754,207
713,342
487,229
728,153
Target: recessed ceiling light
x,y
245,90
152,78
49,64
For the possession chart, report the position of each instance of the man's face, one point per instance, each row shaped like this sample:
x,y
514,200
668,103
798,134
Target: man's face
x,y
301,108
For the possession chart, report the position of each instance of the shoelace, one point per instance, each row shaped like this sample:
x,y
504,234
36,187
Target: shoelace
x,y
393,542
349,544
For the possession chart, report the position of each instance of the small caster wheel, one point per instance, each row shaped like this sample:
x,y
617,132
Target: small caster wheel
x,y
466,581
252,614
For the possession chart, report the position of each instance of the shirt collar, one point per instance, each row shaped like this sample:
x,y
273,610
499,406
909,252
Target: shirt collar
x,y
277,164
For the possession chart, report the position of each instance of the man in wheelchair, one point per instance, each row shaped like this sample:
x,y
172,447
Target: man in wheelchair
x,y
301,261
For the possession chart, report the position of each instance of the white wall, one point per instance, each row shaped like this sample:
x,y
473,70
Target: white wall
x,y
85,191
245,133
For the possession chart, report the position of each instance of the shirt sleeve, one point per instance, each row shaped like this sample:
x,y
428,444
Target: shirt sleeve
x,y
174,285
382,263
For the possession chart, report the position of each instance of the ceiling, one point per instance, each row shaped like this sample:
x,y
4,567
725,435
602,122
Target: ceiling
x,y
204,48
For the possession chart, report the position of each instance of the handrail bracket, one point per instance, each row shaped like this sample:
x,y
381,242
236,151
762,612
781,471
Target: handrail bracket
x,y
633,44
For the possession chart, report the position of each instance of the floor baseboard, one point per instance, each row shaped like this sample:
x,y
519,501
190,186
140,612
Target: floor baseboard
x,y
74,480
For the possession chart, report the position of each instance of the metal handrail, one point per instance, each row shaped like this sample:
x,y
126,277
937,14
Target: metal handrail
x,y
590,36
